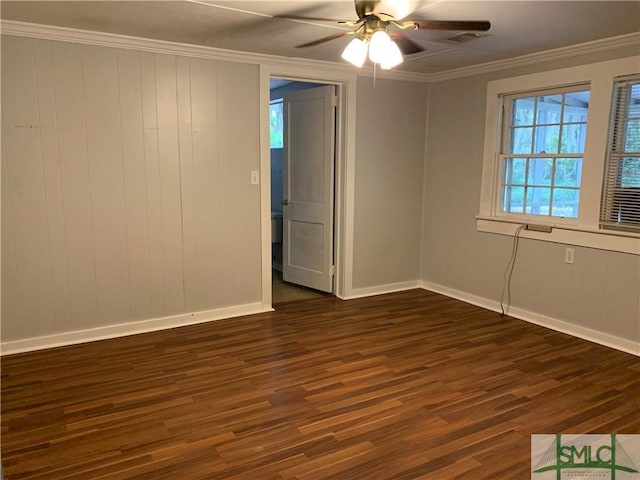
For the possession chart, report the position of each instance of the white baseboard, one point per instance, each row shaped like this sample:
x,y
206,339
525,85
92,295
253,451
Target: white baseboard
x,y
381,289
124,329
572,329
150,325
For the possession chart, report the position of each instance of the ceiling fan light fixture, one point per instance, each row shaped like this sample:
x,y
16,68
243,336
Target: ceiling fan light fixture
x,y
393,56
378,46
356,52
370,32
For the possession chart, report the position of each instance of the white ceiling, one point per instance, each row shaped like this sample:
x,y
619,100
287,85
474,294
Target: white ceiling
x,y
518,27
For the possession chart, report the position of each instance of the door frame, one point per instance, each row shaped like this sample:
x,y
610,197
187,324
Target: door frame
x,y
344,171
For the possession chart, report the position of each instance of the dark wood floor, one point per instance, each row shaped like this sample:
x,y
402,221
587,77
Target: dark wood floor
x,y
401,386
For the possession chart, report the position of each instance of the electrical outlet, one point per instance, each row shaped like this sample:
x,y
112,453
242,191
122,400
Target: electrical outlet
x,y
255,177
568,255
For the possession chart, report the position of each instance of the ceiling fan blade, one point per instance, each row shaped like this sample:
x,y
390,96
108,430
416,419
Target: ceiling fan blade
x,y
406,45
326,39
468,25
309,19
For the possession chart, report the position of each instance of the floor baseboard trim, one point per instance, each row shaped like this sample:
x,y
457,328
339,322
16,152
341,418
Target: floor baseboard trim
x,y
134,328
381,289
574,330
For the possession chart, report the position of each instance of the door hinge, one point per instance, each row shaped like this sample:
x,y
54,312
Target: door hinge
x,y
332,270
334,101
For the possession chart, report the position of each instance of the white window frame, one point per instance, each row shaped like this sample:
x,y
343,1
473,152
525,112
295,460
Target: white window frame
x,y
583,230
508,128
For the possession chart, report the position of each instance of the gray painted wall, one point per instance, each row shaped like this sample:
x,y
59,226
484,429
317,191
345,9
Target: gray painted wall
x,y
125,189
127,197
599,291
390,134
125,194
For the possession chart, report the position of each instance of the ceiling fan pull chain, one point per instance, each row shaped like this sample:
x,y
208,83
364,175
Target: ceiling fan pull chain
x,y
374,74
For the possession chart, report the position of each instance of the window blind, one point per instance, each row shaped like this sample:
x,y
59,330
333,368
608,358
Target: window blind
x,y
620,205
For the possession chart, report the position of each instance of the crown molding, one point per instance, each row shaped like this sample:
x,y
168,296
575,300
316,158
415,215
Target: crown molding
x,y
611,43
64,34
87,37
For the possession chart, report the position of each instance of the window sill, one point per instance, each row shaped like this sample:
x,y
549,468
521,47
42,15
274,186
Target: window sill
x,y
614,241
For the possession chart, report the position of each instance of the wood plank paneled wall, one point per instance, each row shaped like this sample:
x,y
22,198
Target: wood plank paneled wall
x,y
125,186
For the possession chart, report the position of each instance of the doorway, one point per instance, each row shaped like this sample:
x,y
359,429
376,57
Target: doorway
x,y
302,118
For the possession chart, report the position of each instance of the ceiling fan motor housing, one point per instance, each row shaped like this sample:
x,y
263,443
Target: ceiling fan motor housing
x,y
365,7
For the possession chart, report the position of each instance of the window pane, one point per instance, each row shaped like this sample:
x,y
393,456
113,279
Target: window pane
x,y
620,206
547,139
513,200
514,171
630,172
549,109
565,202
634,101
523,111
275,124
538,200
626,206
540,171
632,142
521,140
576,106
568,172
573,137
553,127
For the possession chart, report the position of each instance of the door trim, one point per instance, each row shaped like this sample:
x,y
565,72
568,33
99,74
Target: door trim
x,y
344,170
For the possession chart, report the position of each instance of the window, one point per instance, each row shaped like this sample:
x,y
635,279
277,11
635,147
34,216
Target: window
x,y
561,153
620,208
543,139
275,123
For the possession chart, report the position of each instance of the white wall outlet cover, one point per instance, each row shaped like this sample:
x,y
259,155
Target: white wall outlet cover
x,y
255,177
569,255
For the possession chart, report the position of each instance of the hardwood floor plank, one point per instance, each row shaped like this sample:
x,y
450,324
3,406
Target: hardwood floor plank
x,y
410,385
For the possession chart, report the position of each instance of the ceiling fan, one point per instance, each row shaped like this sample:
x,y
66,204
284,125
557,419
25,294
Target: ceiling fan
x,y
379,35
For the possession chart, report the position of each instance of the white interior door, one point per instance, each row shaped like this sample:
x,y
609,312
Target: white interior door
x,y
308,169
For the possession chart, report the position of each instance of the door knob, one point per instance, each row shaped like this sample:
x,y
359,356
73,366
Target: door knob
x,y
285,202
